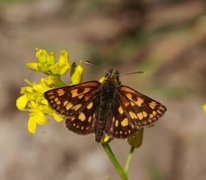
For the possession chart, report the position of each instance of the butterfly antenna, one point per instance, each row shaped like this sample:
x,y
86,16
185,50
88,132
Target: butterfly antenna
x,y
92,64
136,72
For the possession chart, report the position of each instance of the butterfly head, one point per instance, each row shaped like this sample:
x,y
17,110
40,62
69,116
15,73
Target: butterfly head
x,y
112,75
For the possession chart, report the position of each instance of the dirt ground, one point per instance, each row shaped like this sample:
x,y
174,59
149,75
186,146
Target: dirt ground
x,y
171,49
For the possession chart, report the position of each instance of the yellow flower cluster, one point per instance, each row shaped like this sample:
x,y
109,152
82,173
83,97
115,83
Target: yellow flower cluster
x,y
46,62
32,99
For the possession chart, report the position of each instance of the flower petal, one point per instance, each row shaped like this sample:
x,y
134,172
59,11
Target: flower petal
x,y
21,102
76,77
51,59
43,68
59,69
63,58
33,65
31,125
40,118
57,117
41,55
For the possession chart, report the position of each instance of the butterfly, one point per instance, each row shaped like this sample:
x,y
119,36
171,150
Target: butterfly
x,y
108,107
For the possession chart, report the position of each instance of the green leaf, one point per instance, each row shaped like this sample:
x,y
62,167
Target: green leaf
x,y
72,70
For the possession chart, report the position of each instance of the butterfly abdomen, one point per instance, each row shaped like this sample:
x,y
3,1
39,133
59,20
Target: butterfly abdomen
x,y
101,116
106,100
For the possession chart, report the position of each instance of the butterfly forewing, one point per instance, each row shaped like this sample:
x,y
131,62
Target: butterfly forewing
x,y
142,110
69,99
77,104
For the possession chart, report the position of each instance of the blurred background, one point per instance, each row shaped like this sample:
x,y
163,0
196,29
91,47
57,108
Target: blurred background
x,y
164,38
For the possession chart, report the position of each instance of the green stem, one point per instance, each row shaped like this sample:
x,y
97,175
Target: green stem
x,y
114,161
129,158
59,81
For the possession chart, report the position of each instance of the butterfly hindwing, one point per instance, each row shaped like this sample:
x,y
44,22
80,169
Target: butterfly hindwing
x,y
83,121
67,100
120,126
142,110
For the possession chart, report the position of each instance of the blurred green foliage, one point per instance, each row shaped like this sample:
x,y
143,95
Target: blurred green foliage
x,y
6,2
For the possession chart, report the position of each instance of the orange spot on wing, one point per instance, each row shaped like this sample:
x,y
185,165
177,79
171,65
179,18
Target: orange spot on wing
x,y
60,92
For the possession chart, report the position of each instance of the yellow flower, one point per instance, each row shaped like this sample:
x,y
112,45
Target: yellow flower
x,y
36,117
32,100
62,66
47,64
76,76
21,102
31,125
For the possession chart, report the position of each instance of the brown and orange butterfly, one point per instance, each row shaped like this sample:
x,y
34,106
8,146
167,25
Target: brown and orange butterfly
x,y
108,107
